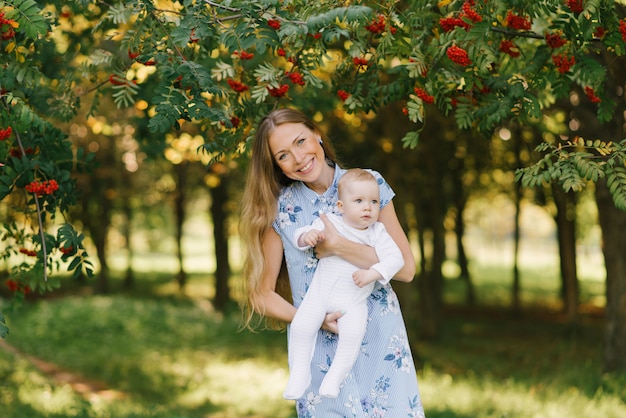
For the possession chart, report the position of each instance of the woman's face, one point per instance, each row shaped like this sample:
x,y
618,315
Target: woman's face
x,y
298,152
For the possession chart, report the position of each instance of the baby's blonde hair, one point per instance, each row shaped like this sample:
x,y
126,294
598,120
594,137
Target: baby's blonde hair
x,y
353,174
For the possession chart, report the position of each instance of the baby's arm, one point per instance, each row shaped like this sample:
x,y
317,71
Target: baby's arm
x,y
310,238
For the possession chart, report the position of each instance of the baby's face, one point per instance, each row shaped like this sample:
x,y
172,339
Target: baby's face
x,y
360,203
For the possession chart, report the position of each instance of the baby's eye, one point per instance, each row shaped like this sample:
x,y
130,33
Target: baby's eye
x,y
358,200
374,202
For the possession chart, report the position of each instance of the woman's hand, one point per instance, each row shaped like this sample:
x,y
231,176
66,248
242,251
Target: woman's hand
x,y
330,322
326,246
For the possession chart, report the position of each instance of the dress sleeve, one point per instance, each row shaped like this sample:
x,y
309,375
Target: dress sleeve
x,y
388,252
386,192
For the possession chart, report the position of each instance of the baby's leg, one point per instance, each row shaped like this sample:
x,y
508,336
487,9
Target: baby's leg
x,y
302,333
351,332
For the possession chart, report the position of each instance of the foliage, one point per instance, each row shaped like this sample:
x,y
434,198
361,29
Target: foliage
x,y
574,163
223,65
36,160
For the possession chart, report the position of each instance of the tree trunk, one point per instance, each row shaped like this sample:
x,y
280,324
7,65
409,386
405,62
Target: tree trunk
x,y
516,304
219,199
566,231
613,224
180,197
459,230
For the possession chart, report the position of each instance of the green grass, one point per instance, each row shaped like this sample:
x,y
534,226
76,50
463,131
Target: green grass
x,y
161,354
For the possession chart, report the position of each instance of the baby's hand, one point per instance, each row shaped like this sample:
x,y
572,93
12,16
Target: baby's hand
x,y
311,238
364,277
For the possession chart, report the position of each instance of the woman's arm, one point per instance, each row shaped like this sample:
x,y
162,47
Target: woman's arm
x,y
389,218
274,305
364,256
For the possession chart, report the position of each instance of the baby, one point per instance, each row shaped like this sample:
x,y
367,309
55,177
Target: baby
x,y
340,286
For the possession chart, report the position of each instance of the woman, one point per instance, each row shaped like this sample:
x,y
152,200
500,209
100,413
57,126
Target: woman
x,y
292,178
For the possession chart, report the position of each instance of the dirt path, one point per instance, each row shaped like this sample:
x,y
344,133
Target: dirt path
x,y
89,389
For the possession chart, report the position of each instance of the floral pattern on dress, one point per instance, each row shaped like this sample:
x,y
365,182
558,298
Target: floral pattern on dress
x,y
306,405
400,355
415,409
388,300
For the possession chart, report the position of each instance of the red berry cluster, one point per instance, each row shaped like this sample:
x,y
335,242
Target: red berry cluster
x,y
278,91
575,6
343,95
599,32
449,23
41,188
16,152
622,29
360,62
563,62
274,24
5,133
132,55
117,81
554,40
234,120
296,78
377,26
508,47
422,94
17,287
244,55
281,52
592,95
517,22
458,56
67,250
7,27
27,252
238,86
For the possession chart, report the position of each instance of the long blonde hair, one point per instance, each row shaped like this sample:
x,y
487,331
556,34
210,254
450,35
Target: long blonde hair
x,y
264,182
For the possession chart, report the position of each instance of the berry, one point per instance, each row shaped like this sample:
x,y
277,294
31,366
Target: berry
x,y
422,94
5,133
508,47
591,94
238,86
458,56
274,24
278,91
343,95
554,40
360,62
575,6
517,22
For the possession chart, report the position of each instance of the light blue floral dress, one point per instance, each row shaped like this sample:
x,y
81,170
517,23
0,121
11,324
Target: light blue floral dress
x,y
383,381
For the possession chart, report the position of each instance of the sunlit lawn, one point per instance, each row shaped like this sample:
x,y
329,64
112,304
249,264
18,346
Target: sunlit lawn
x,y
160,354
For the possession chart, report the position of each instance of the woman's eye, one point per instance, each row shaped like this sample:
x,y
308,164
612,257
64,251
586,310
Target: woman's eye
x,y
282,157
300,141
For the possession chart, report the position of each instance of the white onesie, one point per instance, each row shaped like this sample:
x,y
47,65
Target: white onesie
x,y
332,289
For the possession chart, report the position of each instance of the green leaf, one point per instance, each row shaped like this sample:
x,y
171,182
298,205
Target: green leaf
x,y
28,14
